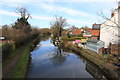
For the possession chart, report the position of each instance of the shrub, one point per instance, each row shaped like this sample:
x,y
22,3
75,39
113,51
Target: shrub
x,y
18,35
80,35
7,48
70,35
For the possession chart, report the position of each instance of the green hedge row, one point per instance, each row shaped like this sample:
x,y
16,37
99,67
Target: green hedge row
x,y
7,48
25,40
73,38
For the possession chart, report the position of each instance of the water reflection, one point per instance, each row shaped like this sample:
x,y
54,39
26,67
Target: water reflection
x,y
49,61
94,70
58,57
96,73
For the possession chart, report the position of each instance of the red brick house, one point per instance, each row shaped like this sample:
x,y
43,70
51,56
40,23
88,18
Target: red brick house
x,y
95,32
76,32
89,29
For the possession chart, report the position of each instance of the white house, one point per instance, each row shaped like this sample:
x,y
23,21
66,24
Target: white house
x,y
110,28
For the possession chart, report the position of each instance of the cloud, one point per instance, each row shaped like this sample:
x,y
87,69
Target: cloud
x,y
4,12
68,11
51,1
15,3
53,8
41,17
47,45
79,21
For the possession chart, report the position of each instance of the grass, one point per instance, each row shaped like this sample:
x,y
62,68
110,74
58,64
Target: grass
x,y
20,69
9,58
103,63
15,53
94,57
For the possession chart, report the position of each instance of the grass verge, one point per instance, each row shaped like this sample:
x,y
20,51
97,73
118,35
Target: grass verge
x,y
104,65
9,58
21,67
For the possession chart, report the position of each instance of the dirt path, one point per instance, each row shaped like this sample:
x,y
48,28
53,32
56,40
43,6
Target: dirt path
x,y
9,67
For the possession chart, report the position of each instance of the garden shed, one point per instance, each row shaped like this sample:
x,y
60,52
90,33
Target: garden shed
x,y
94,45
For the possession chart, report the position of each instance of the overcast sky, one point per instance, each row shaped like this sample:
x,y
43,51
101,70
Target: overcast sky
x,y
77,12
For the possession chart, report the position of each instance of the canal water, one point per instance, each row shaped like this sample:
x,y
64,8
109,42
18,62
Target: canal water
x,y
47,61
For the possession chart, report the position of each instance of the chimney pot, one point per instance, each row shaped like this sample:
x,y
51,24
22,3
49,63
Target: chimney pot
x,y
112,14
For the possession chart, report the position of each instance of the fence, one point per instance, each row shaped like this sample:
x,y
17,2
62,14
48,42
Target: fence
x,y
114,48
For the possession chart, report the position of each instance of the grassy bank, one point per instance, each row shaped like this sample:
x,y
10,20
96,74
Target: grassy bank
x,y
9,58
101,62
21,55
104,63
20,68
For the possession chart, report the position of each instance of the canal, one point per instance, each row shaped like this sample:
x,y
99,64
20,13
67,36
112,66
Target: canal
x,y
47,61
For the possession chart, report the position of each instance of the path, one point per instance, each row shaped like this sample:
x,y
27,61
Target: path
x,y
9,67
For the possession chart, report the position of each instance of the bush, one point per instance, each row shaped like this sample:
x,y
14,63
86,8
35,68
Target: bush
x,y
68,39
18,35
80,35
73,38
70,35
7,48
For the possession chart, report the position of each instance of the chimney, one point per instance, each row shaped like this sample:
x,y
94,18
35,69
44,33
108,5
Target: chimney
x,y
112,14
94,23
119,5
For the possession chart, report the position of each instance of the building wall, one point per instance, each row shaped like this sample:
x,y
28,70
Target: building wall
x,y
119,22
95,32
109,30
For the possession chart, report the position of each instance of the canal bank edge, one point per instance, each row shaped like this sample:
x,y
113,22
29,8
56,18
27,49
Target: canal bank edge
x,y
105,67
110,70
21,67
32,46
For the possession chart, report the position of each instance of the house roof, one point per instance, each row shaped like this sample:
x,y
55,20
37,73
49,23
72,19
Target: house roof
x,y
87,32
96,26
95,32
93,40
76,32
65,31
86,35
89,29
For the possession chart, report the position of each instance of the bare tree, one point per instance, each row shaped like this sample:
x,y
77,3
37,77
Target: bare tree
x,y
58,57
112,24
101,14
117,23
57,25
85,28
23,12
72,28
22,22
114,20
